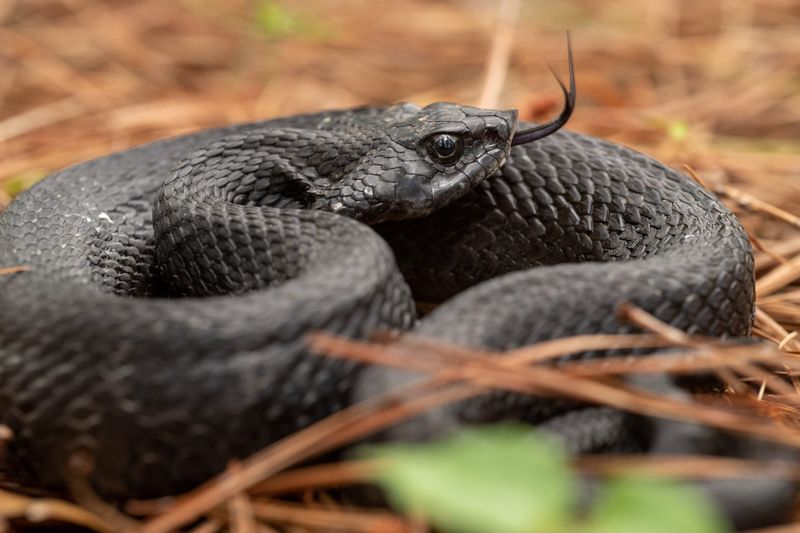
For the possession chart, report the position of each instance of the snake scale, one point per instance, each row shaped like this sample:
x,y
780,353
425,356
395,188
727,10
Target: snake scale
x,y
160,322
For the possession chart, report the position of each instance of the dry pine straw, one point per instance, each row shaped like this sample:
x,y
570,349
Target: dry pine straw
x,y
67,113
244,496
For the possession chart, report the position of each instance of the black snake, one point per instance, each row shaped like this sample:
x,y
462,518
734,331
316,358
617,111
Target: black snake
x,y
160,322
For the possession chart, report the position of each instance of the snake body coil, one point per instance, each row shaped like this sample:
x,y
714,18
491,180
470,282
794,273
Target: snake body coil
x,y
160,323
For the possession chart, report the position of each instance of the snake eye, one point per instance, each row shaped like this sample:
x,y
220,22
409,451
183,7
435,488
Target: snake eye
x,y
445,148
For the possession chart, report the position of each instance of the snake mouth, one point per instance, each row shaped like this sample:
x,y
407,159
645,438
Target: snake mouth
x,y
416,197
447,189
421,165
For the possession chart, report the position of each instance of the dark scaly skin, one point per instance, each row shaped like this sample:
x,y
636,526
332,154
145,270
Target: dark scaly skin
x,y
570,198
162,393
629,230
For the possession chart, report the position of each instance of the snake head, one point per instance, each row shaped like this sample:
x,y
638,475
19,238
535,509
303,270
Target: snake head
x,y
422,159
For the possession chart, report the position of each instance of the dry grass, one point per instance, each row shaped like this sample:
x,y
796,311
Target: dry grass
x,y
245,495
707,86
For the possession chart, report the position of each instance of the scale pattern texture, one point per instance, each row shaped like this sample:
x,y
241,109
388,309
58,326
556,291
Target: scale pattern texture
x,y
165,341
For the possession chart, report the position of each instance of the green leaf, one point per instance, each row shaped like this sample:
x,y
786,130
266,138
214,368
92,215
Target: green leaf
x,y
497,478
633,505
275,20
14,185
678,130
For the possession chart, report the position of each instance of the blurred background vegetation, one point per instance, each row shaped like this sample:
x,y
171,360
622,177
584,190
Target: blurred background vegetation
x,y
713,84
709,84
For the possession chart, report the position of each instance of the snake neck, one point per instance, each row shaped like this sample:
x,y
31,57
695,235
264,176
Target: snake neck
x,y
285,168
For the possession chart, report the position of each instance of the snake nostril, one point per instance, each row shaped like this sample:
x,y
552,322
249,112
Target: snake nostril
x,y
491,137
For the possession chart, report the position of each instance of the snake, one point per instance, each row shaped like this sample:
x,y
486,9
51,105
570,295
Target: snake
x,y
158,321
